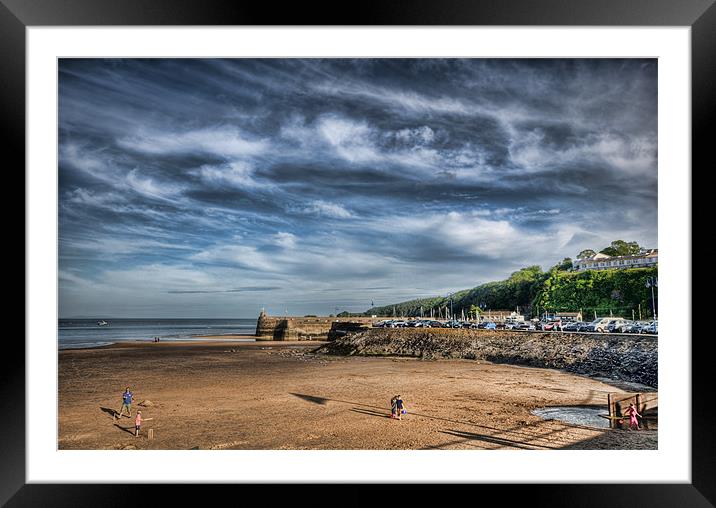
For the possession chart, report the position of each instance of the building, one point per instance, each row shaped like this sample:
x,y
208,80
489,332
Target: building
x,y
563,316
500,316
646,258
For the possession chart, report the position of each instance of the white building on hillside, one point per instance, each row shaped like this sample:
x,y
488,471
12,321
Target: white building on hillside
x,y
500,316
599,261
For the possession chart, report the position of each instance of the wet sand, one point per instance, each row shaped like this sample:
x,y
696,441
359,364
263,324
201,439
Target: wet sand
x,y
278,395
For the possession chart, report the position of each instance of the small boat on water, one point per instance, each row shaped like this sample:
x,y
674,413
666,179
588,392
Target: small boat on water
x,y
102,323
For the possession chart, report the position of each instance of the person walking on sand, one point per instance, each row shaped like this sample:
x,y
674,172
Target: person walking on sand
x,y
126,402
632,416
394,406
401,408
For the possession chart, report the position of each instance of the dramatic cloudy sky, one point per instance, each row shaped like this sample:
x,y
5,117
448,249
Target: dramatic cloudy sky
x,y
213,188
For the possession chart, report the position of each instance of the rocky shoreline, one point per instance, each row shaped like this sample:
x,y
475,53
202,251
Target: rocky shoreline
x,y
626,358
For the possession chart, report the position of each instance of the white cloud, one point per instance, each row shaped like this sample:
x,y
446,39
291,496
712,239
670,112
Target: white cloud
x,y
422,135
150,187
637,155
224,141
240,256
327,209
350,139
236,174
123,246
284,239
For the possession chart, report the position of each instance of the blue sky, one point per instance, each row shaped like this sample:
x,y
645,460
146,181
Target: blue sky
x,y
213,188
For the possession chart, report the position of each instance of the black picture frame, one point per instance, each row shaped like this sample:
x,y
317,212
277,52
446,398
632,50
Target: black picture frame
x,y
700,15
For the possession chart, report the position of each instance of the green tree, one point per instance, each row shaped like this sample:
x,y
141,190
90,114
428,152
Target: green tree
x,y
586,253
475,310
565,265
621,248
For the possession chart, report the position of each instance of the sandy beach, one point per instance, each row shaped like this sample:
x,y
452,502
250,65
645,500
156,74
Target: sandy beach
x,y
221,394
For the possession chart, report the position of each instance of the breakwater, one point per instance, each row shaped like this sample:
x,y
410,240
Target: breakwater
x,y
309,327
623,357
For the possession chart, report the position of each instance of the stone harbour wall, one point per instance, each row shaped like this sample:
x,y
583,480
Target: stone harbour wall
x,y
632,358
307,328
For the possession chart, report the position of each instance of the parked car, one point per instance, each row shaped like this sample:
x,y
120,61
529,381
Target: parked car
x,y
623,326
651,328
572,326
599,325
413,323
583,326
614,324
490,326
435,324
549,326
630,327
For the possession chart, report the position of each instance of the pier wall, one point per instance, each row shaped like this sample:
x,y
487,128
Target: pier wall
x,y
308,328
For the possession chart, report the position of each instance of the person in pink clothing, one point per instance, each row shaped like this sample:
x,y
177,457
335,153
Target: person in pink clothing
x,y
137,423
632,417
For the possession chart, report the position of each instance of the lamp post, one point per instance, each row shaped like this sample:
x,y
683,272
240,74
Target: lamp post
x,y
651,282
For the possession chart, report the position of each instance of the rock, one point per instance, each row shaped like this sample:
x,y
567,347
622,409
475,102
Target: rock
x,y
631,360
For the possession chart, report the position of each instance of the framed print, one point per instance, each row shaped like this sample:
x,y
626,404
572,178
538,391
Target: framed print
x,y
246,229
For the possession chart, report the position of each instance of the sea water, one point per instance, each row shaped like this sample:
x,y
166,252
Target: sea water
x,y
576,415
84,333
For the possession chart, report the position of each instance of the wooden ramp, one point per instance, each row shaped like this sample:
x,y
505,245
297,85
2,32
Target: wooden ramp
x,y
647,405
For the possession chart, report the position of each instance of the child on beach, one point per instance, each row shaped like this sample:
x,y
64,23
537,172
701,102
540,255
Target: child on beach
x,y
401,408
394,406
126,402
138,424
632,417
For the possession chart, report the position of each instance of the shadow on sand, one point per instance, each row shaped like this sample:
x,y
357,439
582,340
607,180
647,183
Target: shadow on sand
x,y
509,443
369,412
311,398
129,430
109,411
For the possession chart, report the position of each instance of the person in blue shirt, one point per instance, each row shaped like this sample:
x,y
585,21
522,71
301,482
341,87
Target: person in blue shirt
x,y
126,402
400,406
